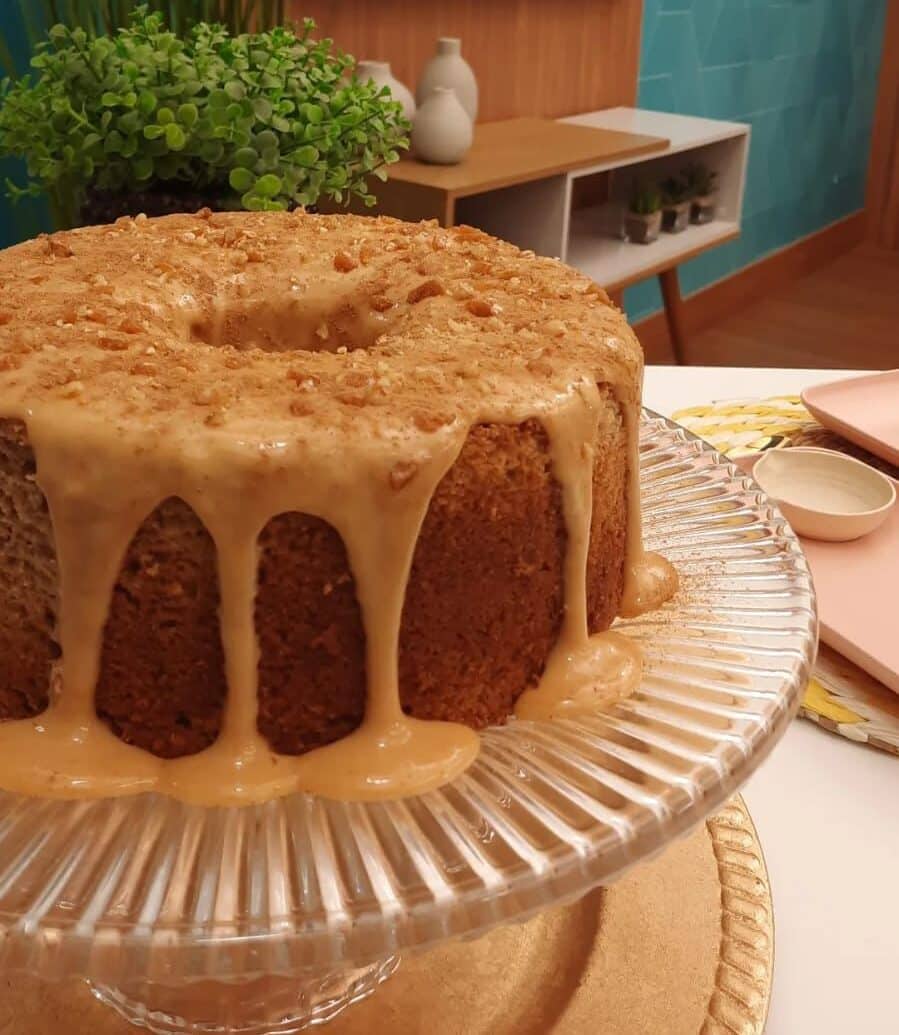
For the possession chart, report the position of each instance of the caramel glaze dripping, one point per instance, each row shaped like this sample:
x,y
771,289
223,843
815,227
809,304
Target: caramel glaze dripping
x,y
585,673
100,486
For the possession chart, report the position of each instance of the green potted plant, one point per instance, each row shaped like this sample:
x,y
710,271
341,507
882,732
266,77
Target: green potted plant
x,y
644,214
675,204
702,185
148,121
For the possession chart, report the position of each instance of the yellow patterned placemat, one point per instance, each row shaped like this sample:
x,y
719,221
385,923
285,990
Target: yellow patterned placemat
x,y
840,697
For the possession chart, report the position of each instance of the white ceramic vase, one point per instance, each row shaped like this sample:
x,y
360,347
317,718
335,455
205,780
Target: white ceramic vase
x,y
449,69
380,72
442,132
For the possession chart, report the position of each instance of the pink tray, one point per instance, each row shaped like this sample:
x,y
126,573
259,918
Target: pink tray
x,y
857,585
858,598
863,409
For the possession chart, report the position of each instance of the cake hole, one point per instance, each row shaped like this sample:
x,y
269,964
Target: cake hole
x,y
303,324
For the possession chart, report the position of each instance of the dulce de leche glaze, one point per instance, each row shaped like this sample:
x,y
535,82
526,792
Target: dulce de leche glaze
x,y
253,365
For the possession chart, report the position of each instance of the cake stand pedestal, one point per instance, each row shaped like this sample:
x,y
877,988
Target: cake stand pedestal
x,y
682,944
262,1006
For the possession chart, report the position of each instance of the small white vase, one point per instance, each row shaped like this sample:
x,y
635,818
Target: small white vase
x,y
449,69
380,72
442,132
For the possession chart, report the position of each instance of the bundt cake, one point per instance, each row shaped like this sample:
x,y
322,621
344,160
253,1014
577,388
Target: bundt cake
x,y
294,501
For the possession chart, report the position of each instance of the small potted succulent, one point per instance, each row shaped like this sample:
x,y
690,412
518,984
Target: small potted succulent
x,y
702,185
644,213
149,121
676,201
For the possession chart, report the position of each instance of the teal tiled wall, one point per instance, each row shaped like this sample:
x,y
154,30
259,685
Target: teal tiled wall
x,y
29,217
803,74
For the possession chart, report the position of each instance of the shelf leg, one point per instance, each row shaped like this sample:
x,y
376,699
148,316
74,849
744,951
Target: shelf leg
x,y
674,313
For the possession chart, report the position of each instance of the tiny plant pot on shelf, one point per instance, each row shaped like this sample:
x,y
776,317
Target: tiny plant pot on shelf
x,y
676,217
643,228
701,183
675,205
644,216
703,209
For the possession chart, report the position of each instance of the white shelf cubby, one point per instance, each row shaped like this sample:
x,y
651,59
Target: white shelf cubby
x,y
593,239
578,216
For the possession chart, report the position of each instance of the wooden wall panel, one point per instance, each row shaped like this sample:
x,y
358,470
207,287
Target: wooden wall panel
x,y
882,201
531,57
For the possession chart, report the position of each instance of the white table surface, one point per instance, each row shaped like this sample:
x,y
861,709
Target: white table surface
x,y
827,812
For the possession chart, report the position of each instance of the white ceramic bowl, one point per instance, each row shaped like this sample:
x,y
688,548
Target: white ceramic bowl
x,y
825,494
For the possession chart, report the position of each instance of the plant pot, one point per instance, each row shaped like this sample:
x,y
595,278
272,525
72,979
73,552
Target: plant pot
x,y
676,217
103,206
703,208
643,229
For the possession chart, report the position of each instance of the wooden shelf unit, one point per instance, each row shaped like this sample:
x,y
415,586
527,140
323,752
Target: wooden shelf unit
x,y
594,240
563,193
514,153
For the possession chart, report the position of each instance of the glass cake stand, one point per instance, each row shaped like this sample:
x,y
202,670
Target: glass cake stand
x,y
276,917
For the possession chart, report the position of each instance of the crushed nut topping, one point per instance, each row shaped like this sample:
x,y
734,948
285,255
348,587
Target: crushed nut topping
x,y
344,262
539,366
56,247
427,289
357,380
415,369
481,307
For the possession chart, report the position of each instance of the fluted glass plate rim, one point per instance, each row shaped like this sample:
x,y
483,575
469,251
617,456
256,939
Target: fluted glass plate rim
x,y
546,813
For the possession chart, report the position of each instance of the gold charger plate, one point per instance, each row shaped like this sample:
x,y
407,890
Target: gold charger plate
x,y
681,945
